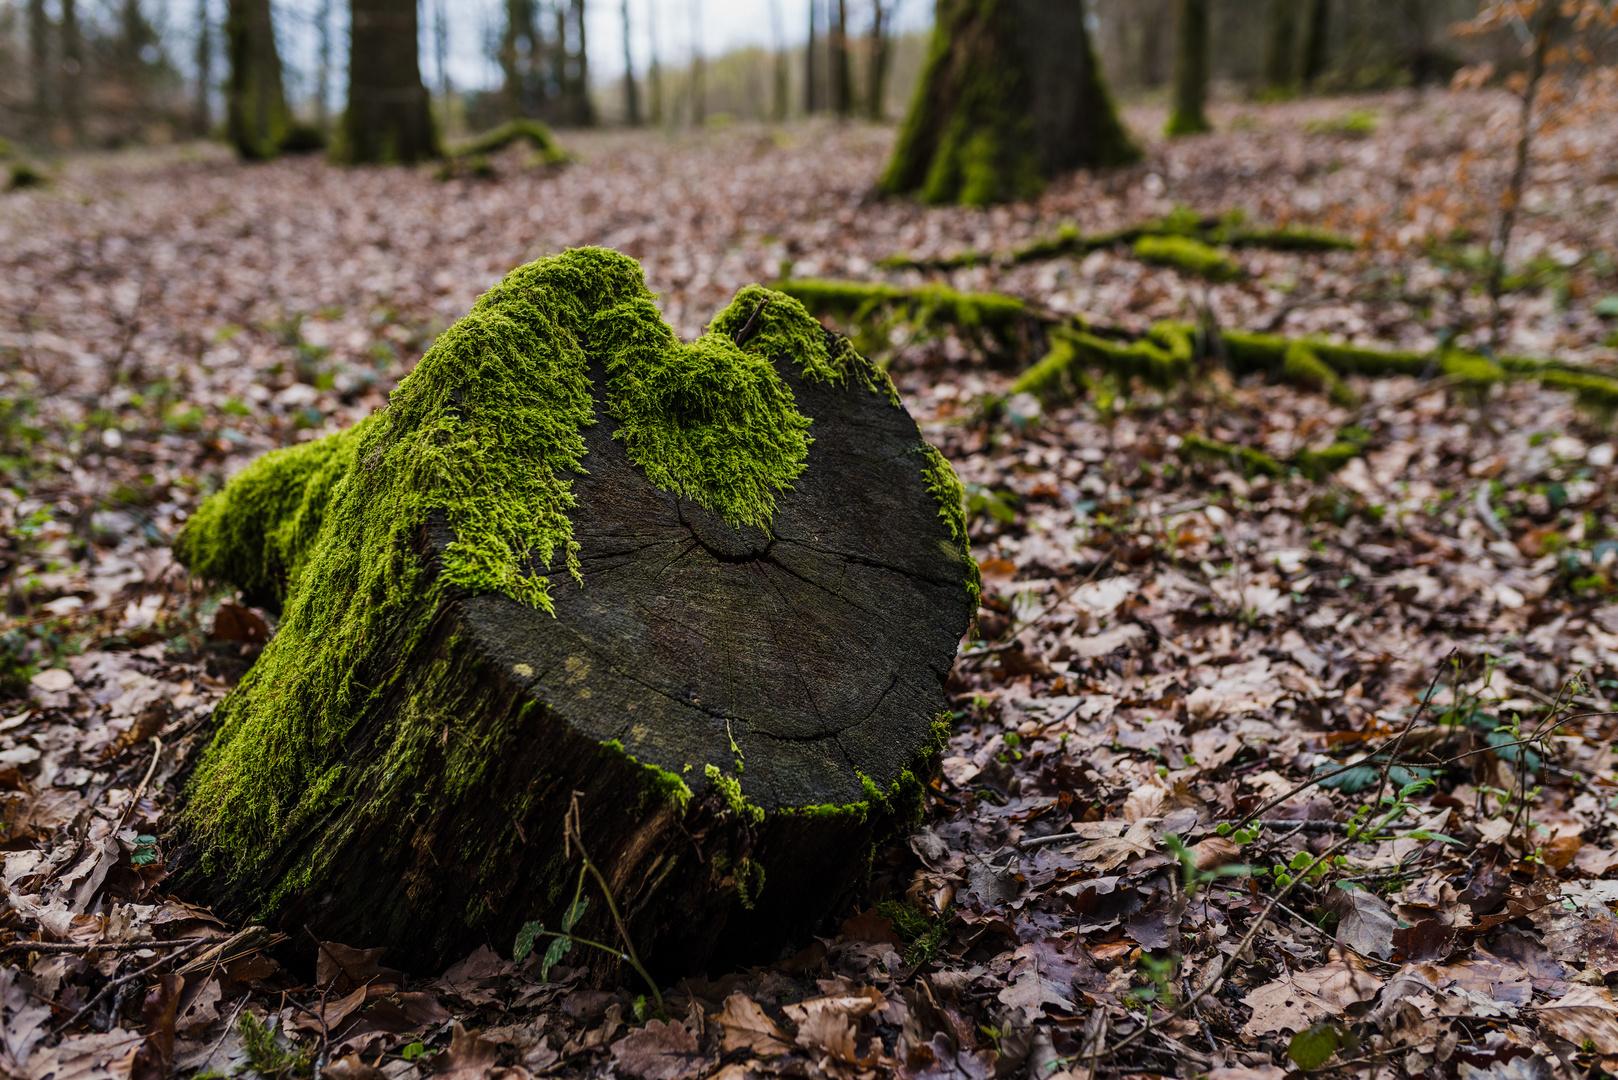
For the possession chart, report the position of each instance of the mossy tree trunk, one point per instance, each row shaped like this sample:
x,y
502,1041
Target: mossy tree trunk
x,y
1011,96
257,117
578,560
389,116
1189,115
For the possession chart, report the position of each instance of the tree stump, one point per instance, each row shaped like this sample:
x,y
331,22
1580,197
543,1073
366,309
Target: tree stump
x,y
1011,95
709,592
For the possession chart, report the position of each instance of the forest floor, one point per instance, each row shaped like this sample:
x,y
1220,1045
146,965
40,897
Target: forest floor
x,y
1166,644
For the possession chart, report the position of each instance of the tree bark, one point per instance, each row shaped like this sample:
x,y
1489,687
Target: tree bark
x,y
72,70
877,78
739,711
1281,45
1011,95
1189,115
810,100
1316,42
39,67
842,74
201,108
699,82
256,105
631,92
584,110
389,118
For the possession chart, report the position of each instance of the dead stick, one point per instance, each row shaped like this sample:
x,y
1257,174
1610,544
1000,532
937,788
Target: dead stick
x,y
114,984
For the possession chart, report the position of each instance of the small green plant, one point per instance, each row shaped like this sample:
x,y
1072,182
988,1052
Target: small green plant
x,y
563,940
265,1053
923,936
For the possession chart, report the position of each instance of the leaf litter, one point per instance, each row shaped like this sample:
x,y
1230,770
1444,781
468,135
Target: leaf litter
x,y
1125,868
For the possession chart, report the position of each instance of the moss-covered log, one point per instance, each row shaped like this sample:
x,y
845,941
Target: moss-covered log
x,y
1011,95
711,591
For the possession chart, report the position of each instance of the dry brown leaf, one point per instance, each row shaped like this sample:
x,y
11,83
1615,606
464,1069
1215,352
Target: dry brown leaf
x,y
1585,1014
744,1024
1294,1001
659,1051
470,1057
1365,922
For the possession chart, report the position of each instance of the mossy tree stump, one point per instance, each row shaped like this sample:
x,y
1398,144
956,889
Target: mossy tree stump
x,y
1011,95
710,590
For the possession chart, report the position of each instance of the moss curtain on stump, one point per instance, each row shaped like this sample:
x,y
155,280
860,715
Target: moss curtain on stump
x,y
388,118
1011,95
257,115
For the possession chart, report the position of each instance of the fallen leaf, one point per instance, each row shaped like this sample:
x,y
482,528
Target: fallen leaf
x,y
744,1024
343,969
869,926
1585,1014
659,1051
469,1057
1294,1001
1365,922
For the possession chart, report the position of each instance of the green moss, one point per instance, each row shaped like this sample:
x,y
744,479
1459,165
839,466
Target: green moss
x,y
484,435
1301,367
1354,360
730,789
661,785
1250,461
496,139
1163,358
1188,256
923,304
1290,238
256,533
951,496
1186,123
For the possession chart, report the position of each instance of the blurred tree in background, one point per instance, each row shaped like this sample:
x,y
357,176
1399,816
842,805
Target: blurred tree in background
x,y
267,74
1012,95
388,117
257,116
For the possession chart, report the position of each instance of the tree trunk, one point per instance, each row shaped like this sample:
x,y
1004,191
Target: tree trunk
x,y
72,70
584,110
1011,96
1316,42
1281,45
842,74
1155,17
631,93
1189,116
735,666
877,72
699,85
810,104
257,113
201,110
388,117
39,68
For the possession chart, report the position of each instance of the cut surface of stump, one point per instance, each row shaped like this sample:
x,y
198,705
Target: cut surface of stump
x,y
711,591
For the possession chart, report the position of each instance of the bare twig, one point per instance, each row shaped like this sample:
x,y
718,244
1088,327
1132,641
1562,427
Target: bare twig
x,y
123,981
572,836
135,797
105,946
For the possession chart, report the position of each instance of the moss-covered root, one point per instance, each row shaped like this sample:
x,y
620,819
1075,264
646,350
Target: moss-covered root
x,y
876,311
1314,464
1164,358
1222,229
534,133
1189,256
